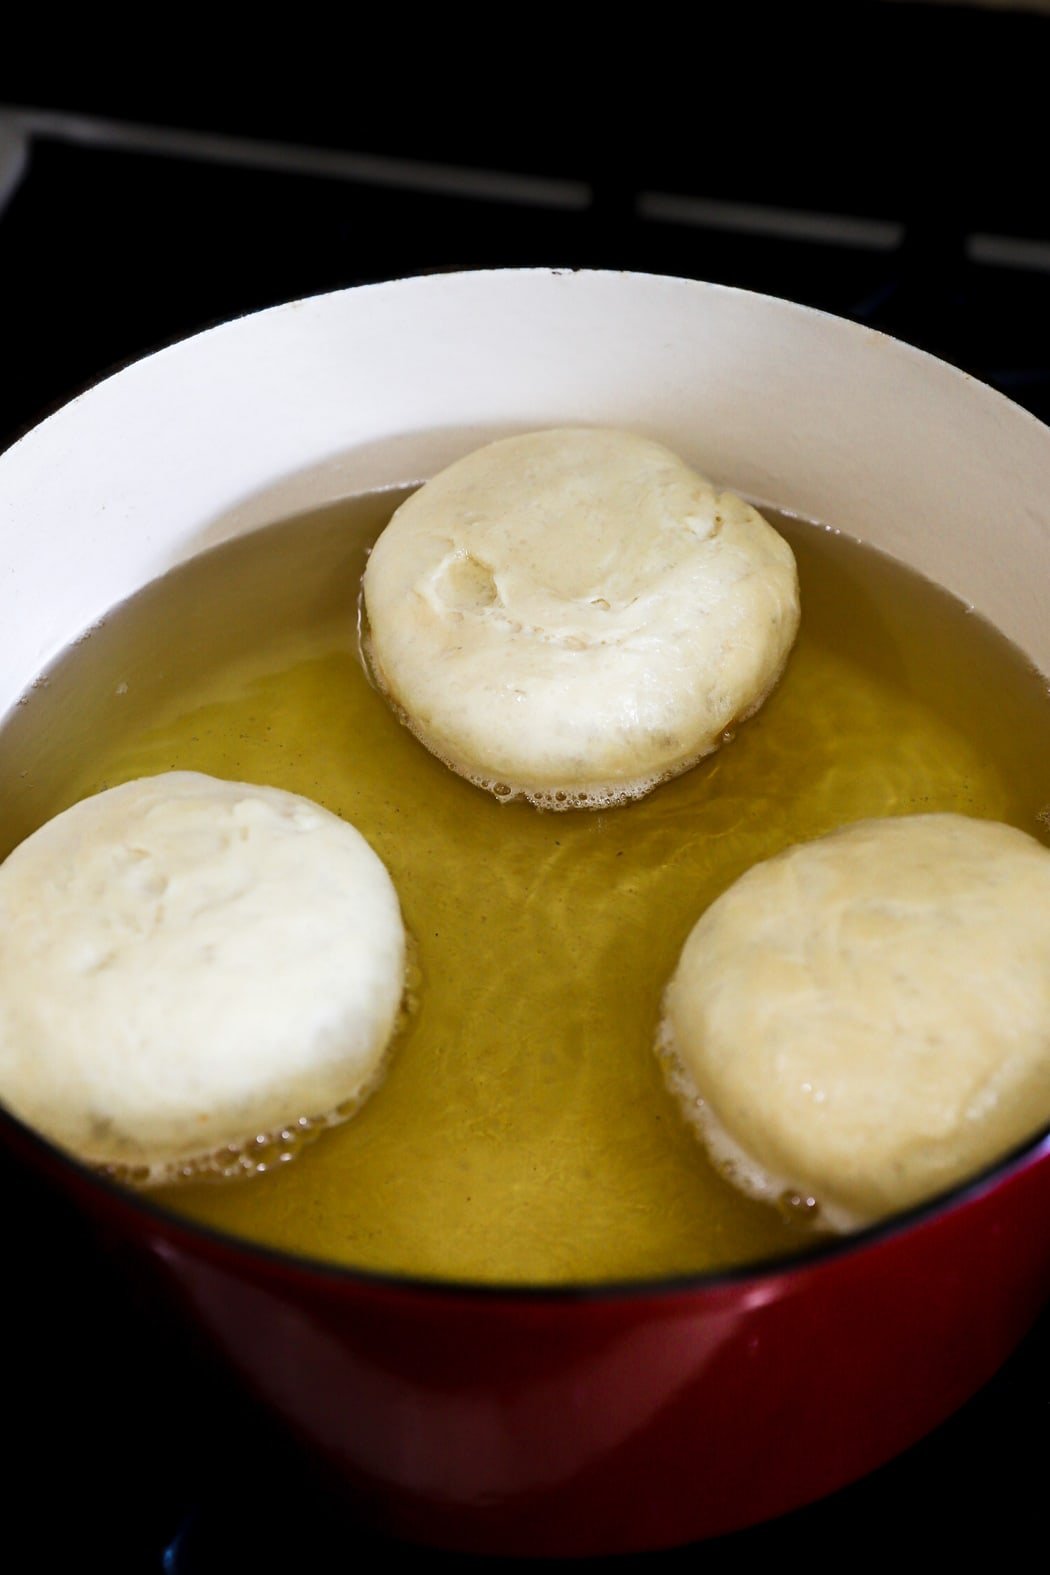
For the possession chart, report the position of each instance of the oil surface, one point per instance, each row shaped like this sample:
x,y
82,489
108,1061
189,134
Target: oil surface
x,y
523,1132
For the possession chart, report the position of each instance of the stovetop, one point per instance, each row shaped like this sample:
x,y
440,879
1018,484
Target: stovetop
x,y
910,196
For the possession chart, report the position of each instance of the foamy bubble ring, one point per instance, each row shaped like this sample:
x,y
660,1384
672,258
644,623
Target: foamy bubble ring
x,y
574,616
864,1020
191,965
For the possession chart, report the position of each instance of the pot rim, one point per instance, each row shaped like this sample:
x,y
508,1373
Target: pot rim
x,y
453,279
1025,1155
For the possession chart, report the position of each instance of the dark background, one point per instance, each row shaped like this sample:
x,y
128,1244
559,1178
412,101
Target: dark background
x,y
885,161
927,120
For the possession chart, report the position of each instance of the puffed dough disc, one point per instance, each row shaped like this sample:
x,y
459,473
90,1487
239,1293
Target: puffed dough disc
x,y
188,963
866,1018
575,615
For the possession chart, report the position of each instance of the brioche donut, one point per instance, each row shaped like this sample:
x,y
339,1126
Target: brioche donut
x,y
190,963
573,616
865,1020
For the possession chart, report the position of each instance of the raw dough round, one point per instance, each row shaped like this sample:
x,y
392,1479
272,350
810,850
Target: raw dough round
x,y
188,963
866,1018
573,616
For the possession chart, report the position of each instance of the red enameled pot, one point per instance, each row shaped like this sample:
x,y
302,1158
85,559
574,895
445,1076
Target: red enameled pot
x,y
580,1420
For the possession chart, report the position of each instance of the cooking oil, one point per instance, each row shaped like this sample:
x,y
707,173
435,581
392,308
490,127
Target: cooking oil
x,y
523,1132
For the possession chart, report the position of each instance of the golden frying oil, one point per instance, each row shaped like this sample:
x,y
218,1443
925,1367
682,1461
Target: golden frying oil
x,y
523,1132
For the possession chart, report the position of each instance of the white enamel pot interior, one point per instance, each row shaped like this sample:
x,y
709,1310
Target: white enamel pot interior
x,y
383,385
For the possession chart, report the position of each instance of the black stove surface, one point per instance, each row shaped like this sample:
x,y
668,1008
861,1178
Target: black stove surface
x,y
129,219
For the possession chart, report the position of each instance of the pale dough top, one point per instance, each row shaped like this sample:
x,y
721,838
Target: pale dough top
x,y
188,963
576,611
867,1016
